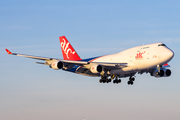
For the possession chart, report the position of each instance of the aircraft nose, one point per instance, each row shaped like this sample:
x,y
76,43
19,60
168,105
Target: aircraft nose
x,y
170,54
166,55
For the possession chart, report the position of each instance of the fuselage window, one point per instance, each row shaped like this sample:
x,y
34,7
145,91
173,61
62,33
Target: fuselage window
x,y
161,45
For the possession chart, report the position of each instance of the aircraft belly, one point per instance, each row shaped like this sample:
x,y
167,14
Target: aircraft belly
x,y
127,70
89,74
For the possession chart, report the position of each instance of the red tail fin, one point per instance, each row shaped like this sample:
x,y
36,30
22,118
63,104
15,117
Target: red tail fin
x,y
9,52
67,50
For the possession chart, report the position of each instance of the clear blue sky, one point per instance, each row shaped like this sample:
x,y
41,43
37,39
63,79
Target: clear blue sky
x,y
29,91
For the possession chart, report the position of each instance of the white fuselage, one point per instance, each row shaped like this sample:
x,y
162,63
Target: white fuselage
x,y
139,58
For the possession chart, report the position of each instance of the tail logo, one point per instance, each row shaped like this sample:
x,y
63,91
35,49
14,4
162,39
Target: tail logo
x,y
66,49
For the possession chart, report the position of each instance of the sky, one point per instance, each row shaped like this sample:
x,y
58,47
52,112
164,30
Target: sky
x,y
29,91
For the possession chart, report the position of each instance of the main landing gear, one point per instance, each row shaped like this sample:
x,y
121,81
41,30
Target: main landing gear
x,y
131,81
116,79
104,79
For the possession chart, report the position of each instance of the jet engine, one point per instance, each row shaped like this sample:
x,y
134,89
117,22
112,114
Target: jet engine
x,y
56,65
167,72
162,73
96,69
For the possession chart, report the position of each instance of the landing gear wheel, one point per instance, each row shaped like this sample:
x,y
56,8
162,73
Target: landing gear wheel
x,y
130,82
117,81
100,80
104,81
133,79
109,80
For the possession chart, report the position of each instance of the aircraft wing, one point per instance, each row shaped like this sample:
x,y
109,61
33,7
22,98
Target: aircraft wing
x,y
49,61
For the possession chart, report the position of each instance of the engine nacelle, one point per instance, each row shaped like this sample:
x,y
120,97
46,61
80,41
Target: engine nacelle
x,y
96,69
56,65
167,72
163,73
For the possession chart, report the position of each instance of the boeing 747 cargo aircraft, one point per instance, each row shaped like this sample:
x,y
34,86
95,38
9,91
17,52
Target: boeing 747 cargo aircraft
x,y
151,58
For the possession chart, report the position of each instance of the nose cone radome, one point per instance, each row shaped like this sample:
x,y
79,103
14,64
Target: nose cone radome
x,y
168,54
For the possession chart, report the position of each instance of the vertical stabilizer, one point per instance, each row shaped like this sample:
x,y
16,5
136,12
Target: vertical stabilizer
x,y
67,50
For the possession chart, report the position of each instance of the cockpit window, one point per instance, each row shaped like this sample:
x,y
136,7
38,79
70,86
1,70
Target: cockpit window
x,y
161,45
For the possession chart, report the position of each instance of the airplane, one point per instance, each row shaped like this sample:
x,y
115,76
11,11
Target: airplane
x,y
150,58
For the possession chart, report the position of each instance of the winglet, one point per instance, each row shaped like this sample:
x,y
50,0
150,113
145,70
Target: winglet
x,y
9,52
